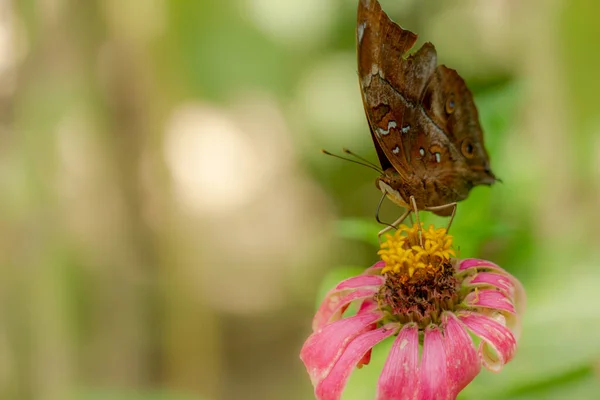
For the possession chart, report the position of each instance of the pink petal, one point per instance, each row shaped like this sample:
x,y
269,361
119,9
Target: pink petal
x,y
375,268
498,306
332,386
433,382
399,379
500,281
336,302
519,297
489,298
462,361
512,322
367,305
365,360
468,263
519,292
360,281
498,345
324,347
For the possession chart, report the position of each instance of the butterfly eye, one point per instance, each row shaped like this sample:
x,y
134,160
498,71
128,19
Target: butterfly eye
x,y
467,149
450,104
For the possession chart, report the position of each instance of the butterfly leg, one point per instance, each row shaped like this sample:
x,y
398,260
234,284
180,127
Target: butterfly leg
x,y
413,202
445,206
395,224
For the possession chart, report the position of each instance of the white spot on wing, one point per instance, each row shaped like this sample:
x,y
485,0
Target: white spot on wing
x,y
438,157
374,69
383,132
405,129
396,150
422,152
361,31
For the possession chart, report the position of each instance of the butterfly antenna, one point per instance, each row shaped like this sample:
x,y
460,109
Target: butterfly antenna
x,y
353,154
364,164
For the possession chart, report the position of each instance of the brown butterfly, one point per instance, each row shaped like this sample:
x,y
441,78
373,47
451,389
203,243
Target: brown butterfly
x,y
422,117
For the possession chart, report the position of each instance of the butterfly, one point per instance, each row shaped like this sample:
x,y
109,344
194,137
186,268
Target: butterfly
x,y
422,117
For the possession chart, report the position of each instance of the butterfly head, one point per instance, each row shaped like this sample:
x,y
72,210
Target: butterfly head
x,y
391,184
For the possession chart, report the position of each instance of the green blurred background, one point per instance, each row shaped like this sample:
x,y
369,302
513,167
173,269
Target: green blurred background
x,y
168,225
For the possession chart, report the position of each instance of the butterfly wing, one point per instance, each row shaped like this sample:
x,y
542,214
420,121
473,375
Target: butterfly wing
x,y
422,118
450,104
390,84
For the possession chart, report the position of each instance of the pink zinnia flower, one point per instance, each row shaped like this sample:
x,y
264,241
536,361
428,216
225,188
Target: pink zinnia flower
x,y
432,303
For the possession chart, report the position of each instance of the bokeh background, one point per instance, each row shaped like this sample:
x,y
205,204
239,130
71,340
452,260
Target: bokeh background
x,y
168,224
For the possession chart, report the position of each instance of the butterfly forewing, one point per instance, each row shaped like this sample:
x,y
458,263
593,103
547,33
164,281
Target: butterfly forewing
x,y
392,85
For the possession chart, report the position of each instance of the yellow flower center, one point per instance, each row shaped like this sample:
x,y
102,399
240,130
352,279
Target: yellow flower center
x,y
413,249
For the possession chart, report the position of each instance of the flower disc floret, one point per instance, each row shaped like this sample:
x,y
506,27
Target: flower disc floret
x,y
412,249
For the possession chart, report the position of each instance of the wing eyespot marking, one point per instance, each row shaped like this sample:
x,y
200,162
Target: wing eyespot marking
x,y
467,149
450,104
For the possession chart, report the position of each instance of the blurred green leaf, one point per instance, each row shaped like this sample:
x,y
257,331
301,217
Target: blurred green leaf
x,y
361,229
